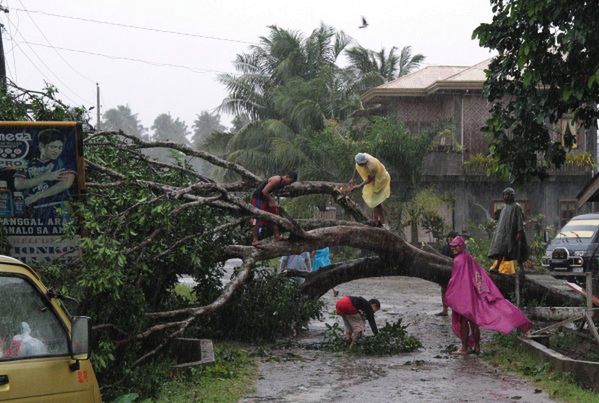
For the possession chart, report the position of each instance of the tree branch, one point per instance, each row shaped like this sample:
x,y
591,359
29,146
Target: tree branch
x,y
247,175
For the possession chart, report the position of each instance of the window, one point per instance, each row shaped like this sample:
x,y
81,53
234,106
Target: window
x,y
28,327
567,210
567,126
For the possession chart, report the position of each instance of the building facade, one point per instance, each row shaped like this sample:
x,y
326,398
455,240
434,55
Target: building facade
x,y
450,99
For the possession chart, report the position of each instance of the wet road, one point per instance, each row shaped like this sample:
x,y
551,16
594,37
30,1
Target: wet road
x,y
427,375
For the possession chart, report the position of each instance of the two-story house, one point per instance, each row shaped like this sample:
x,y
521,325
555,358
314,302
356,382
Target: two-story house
x,y
452,95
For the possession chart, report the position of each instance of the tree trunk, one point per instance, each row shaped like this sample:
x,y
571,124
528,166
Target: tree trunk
x,y
396,257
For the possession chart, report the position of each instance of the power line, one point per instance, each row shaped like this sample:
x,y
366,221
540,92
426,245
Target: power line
x,y
41,72
131,59
14,59
117,24
57,52
50,70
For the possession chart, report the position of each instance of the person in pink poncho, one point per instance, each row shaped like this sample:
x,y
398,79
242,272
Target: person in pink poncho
x,y
476,302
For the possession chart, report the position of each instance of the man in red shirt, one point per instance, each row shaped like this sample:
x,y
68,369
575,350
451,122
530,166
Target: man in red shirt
x,y
351,310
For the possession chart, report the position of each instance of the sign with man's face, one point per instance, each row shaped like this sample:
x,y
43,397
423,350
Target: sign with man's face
x,y
41,175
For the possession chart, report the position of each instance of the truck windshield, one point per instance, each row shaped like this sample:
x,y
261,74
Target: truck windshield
x,y
577,229
28,327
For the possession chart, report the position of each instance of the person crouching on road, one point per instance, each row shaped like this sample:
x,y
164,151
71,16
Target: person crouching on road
x,y
351,310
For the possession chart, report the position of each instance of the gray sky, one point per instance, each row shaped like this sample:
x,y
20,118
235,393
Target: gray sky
x,y
439,29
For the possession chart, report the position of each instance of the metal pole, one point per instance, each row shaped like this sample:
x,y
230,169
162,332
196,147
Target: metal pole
x,y
2,61
97,107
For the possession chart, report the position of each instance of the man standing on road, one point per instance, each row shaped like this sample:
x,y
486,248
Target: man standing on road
x,y
509,242
351,310
299,262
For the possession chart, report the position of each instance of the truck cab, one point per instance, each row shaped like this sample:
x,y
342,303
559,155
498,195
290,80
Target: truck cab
x,y
575,247
44,351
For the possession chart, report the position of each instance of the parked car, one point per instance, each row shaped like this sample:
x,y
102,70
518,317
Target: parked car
x,y
44,351
575,248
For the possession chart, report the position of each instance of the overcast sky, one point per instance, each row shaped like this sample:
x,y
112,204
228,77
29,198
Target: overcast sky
x,y
439,29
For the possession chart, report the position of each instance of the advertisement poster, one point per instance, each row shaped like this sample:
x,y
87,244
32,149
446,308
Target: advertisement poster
x,y
41,174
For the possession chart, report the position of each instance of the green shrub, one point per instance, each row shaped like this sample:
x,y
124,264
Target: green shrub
x,y
392,338
268,307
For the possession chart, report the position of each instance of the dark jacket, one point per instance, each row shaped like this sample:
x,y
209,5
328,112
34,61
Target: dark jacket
x,y
361,304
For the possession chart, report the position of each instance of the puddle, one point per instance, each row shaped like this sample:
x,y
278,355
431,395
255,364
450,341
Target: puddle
x,y
300,375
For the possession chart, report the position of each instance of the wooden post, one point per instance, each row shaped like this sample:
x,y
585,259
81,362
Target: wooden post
x,y
589,290
517,282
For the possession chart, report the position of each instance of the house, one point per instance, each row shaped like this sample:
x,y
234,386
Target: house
x,y
452,96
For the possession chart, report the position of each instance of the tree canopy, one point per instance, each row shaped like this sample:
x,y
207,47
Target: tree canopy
x,y
204,125
546,69
165,128
122,118
375,68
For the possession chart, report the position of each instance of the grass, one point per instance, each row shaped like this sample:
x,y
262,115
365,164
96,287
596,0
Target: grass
x,y
508,354
227,380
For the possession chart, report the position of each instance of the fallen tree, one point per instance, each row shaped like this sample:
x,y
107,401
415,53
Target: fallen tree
x,y
183,196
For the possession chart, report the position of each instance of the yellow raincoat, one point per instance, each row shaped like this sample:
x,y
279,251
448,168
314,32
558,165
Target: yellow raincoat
x,y
379,189
506,266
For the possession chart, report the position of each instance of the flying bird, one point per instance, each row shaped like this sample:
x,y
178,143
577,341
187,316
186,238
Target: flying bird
x,y
364,23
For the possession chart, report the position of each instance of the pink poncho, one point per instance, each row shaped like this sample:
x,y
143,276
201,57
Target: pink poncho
x,y
472,294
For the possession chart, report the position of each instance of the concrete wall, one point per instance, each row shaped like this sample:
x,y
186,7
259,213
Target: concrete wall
x,y
473,191
474,197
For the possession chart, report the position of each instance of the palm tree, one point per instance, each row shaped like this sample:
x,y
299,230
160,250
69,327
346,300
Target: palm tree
x,y
375,68
284,59
288,85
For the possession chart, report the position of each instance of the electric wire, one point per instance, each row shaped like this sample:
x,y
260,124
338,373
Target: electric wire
x,y
117,24
132,59
50,44
50,70
14,59
47,80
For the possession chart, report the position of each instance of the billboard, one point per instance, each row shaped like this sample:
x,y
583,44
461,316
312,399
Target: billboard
x,y
41,173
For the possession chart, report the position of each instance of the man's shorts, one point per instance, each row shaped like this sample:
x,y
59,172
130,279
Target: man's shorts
x,y
264,206
354,324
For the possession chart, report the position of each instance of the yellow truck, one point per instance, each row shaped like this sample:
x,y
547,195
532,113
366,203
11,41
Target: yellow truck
x,y
44,351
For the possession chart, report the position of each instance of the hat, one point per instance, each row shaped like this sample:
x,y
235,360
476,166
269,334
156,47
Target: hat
x,y
457,241
509,190
361,158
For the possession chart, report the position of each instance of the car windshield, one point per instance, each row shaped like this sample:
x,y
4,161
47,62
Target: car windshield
x,y
577,229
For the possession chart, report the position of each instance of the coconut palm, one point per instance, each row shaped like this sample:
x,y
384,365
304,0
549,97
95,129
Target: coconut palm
x,y
283,59
375,68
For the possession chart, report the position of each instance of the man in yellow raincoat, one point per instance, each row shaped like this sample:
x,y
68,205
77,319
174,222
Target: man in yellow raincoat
x,y
376,185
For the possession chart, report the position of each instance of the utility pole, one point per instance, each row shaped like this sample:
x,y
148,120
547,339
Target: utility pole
x,y
98,107
2,59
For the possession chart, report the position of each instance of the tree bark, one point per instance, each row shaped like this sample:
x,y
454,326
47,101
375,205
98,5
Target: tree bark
x,y
396,257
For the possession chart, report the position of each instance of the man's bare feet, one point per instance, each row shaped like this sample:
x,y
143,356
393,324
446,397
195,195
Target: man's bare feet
x,y
461,351
442,313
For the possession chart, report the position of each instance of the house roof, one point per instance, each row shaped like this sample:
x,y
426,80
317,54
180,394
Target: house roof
x,y
429,80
